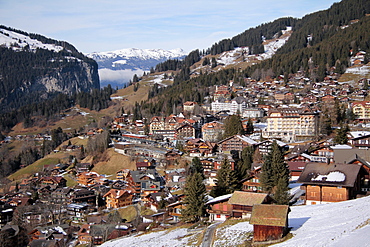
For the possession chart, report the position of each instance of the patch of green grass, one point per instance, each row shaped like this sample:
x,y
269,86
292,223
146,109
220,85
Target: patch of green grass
x,y
129,213
33,168
146,211
70,181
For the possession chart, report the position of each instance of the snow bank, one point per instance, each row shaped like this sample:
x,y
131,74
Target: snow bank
x,y
233,235
335,224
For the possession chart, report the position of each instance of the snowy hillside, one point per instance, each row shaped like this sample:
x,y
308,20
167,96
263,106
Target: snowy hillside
x,y
335,224
240,54
18,41
118,67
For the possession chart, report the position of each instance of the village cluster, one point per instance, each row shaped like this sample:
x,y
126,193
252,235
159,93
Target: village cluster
x,y
288,114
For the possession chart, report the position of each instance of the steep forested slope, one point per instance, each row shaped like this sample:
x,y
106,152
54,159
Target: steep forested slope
x,y
34,68
321,43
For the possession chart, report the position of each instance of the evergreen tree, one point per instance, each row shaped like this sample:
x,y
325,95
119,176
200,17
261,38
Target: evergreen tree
x,y
341,135
250,127
227,180
275,175
233,126
266,179
196,167
213,63
278,165
245,163
281,195
195,198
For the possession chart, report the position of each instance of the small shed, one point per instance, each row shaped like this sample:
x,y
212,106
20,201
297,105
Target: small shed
x,y
270,222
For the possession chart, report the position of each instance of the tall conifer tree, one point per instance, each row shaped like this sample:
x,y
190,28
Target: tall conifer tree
x,y
195,198
227,180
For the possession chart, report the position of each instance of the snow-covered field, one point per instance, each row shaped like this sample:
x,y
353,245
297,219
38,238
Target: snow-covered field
x,y
233,235
177,237
335,224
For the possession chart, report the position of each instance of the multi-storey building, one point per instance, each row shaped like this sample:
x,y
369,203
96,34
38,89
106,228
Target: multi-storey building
x,y
291,124
238,104
212,131
171,127
361,109
235,143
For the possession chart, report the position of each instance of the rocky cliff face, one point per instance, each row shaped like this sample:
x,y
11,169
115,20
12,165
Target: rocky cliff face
x,y
68,80
33,67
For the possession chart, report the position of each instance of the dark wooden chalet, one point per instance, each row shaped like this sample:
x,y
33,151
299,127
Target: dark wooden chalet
x,y
252,182
235,143
333,182
270,222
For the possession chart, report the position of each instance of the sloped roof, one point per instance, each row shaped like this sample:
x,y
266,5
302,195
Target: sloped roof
x,y
219,199
116,193
247,198
330,174
269,215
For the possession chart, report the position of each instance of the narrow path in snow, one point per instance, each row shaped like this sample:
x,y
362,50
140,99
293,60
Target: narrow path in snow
x,y
208,236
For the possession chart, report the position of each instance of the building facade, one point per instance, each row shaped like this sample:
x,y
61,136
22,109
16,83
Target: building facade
x,y
291,124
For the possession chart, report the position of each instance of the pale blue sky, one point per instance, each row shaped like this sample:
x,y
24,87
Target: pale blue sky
x,y
107,25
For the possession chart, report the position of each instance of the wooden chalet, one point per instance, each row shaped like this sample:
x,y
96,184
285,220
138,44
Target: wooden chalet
x,y
56,181
145,164
364,173
83,235
123,174
219,208
174,210
208,166
270,222
172,156
360,141
118,198
84,196
295,169
242,203
252,182
330,182
90,179
235,143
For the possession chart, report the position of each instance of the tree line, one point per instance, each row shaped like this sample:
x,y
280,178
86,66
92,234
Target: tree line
x,y
53,109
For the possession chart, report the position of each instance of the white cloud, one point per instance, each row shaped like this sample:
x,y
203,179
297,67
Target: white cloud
x,y
118,76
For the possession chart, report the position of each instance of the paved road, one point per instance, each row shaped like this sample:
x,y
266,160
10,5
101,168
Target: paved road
x,y
208,236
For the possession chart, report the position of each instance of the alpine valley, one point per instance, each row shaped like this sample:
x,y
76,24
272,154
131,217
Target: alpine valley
x,y
118,67
262,138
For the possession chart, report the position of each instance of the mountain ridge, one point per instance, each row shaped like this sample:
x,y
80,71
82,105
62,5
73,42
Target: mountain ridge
x,y
34,68
118,67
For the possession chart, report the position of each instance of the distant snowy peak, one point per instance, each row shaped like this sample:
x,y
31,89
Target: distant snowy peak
x,y
143,54
18,41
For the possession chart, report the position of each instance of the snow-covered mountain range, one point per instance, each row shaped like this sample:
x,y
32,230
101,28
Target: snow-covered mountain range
x,y
118,67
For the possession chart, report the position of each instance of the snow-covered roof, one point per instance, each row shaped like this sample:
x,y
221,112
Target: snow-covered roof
x,y
331,177
341,147
219,198
247,139
357,134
